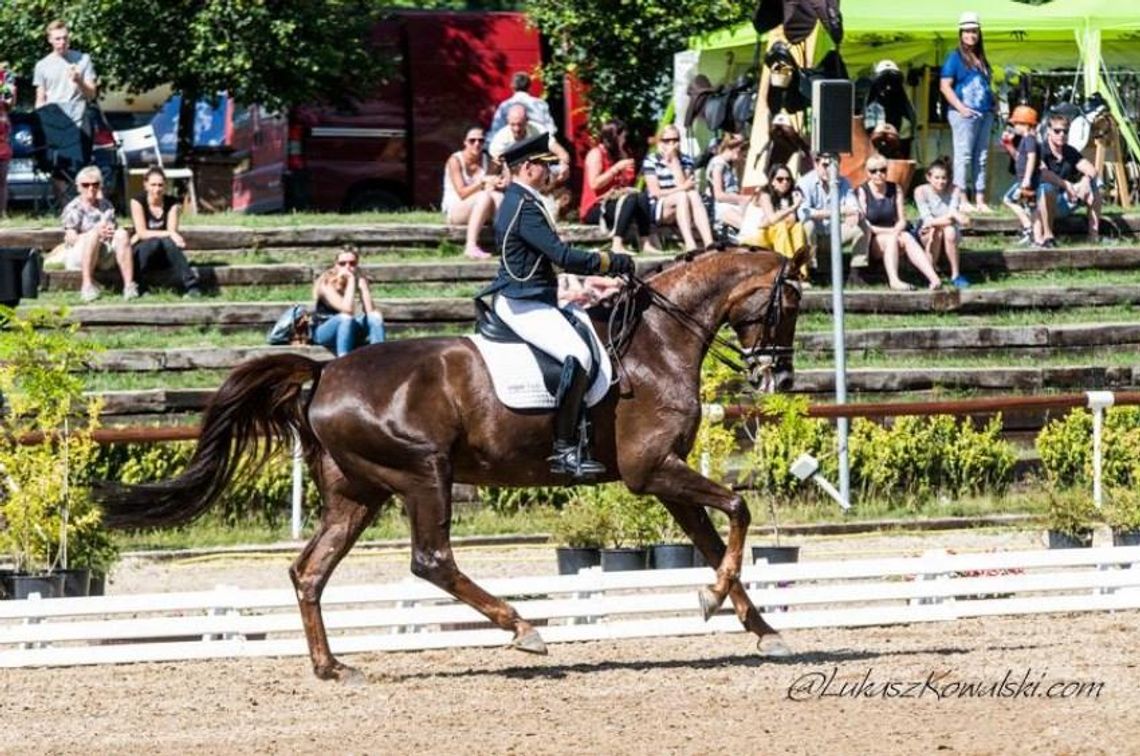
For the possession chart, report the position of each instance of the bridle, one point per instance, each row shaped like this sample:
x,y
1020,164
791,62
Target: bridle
x,y
758,358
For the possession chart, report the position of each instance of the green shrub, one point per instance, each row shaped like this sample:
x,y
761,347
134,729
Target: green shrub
x,y
514,500
582,525
1071,511
1122,508
630,519
918,458
1065,448
767,464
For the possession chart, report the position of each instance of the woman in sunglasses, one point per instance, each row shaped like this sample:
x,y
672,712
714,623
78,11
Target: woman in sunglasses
x,y
672,189
779,202
336,326
608,197
882,204
471,192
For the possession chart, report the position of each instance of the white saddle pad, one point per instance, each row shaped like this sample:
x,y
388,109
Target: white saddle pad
x,y
518,380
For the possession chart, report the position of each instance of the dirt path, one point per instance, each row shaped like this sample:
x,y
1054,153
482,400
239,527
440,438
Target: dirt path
x,y
693,695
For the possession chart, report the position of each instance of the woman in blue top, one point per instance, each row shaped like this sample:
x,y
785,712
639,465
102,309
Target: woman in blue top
x,y
966,85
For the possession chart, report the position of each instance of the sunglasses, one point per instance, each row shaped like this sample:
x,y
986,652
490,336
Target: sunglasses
x,y
346,263
89,184
667,140
781,178
876,170
1059,131
476,140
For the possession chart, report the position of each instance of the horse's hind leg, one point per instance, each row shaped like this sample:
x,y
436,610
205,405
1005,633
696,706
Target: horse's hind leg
x,y
696,523
343,519
428,503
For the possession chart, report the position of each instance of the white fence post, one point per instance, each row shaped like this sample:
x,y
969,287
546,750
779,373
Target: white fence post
x,y
1098,402
298,486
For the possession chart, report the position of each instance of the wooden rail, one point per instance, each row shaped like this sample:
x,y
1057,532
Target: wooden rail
x,y
984,405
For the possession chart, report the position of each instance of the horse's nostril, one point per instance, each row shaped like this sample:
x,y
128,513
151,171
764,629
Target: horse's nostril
x,y
785,381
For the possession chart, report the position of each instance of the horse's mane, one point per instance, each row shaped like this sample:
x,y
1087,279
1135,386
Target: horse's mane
x,y
665,276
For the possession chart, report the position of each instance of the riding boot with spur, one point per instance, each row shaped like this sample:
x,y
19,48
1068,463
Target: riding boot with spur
x,y
571,453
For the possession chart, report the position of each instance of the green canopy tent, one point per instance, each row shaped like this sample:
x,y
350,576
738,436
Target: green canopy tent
x,y
1065,34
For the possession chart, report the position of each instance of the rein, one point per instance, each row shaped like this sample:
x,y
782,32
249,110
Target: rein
x,y
623,317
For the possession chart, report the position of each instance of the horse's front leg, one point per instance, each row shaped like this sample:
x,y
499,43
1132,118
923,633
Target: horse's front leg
x,y
343,519
428,503
676,483
697,525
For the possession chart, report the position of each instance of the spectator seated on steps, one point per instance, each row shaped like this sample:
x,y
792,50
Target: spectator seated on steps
x,y
723,186
92,239
672,190
157,244
815,213
336,326
519,128
939,211
472,190
771,221
891,235
1068,181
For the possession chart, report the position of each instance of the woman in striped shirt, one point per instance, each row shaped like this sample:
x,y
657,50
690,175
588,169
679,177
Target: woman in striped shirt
x,y
672,188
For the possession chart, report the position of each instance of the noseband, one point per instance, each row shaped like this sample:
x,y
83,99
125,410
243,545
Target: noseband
x,y
759,357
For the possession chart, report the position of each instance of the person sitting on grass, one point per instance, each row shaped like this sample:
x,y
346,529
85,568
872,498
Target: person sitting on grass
x,y
92,239
1021,197
336,326
882,203
157,242
938,204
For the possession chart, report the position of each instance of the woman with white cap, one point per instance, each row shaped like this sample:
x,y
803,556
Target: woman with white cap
x,y
967,86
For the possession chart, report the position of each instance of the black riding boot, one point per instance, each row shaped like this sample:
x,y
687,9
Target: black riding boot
x,y
571,455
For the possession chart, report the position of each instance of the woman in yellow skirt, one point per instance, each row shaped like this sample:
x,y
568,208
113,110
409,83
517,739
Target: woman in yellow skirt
x,y
773,215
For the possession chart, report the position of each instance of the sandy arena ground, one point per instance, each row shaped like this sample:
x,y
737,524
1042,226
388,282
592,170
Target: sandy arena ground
x,y
880,690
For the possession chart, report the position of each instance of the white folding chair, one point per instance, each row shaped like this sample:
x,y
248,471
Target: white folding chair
x,y
139,151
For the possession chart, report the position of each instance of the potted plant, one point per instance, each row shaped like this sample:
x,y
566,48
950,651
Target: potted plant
x,y
670,548
1122,513
628,527
1071,517
580,530
47,448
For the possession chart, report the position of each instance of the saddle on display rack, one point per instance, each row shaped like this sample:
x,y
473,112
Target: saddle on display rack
x,y
526,377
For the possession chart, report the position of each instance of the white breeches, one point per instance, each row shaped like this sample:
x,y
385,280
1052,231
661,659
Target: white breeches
x,y
545,327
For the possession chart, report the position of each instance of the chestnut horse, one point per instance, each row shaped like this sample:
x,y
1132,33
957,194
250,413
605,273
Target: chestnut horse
x,y
409,418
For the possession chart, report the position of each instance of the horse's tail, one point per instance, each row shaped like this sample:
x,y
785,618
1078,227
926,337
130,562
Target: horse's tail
x,y
259,403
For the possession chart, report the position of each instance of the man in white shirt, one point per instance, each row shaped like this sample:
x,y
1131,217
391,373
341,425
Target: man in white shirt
x,y
66,78
518,129
538,112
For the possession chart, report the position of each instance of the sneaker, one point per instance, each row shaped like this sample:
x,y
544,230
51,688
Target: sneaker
x,y
1026,238
90,293
475,252
1049,243
131,291
959,282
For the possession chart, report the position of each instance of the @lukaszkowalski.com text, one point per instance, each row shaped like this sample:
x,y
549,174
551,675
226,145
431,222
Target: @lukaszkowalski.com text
x,y
1030,683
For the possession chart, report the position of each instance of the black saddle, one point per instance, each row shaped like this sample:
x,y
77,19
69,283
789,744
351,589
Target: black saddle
x,y
491,327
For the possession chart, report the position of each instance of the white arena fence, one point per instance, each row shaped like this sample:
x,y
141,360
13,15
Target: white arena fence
x,y
230,622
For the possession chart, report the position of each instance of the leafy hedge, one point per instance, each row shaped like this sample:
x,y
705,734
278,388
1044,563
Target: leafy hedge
x,y
1065,447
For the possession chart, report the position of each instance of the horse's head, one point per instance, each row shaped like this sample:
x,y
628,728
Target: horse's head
x,y
764,318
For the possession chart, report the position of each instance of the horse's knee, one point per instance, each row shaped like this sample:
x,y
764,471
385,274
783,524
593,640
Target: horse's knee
x,y
737,511
433,567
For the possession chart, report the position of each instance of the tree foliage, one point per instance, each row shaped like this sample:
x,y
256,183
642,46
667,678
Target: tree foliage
x,y
274,52
623,49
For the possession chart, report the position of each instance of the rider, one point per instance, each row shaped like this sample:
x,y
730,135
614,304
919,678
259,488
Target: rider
x,y
526,292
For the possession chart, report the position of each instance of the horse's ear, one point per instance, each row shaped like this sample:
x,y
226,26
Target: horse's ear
x,y
800,261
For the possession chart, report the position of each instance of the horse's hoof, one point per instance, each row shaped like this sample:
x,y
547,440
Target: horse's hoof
x,y
709,602
531,642
341,673
772,646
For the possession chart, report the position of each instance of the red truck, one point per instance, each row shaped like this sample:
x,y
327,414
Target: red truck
x,y
452,70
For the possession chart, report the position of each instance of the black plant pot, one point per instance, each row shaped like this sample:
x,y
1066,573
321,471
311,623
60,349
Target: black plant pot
x,y
572,559
22,586
1080,540
5,586
76,582
699,558
671,556
1126,538
776,554
623,560
97,585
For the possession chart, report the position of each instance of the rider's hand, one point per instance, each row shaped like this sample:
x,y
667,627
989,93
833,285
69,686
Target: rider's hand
x,y
620,264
